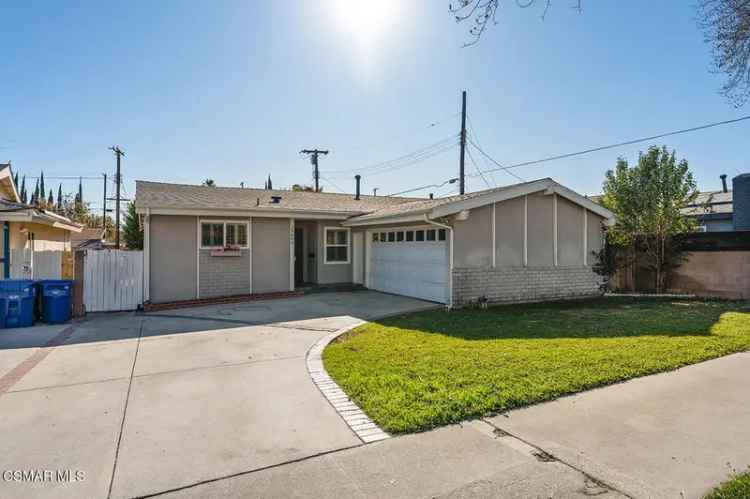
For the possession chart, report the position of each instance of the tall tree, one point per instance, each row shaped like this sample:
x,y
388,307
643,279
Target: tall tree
x,y
79,197
59,206
132,232
24,197
270,184
35,196
51,201
15,180
42,190
648,202
209,182
726,27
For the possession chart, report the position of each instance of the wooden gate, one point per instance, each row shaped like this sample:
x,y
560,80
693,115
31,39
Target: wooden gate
x,y
112,280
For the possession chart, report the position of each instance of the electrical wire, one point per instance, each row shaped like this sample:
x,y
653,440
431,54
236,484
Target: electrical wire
x,y
432,124
471,157
612,146
449,181
476,137
501,167
330,182
401,161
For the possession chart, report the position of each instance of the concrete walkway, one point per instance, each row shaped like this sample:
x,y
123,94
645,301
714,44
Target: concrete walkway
x,y
139,404
217,402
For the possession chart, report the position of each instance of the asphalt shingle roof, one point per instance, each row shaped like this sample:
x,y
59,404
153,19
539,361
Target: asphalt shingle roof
x,y
180,196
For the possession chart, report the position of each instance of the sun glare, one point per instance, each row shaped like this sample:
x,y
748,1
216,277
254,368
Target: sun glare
x,y
369,26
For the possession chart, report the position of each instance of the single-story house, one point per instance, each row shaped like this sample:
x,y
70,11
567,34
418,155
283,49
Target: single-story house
x,y
30,234
530,241
724,210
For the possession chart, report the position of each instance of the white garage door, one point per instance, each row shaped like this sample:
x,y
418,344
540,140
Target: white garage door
x,y
411,262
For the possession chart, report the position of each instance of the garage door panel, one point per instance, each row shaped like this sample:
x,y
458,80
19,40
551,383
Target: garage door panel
x,y
417,269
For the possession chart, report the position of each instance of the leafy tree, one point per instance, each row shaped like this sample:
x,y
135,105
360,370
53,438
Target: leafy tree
x,y
209,182
132,232
647,200
726,27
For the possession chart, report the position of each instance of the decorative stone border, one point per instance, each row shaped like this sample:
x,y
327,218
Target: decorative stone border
x,y
360,424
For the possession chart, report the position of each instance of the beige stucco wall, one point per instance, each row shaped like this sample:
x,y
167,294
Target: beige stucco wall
x,y
330,273
173,258
569,233
540,251
46,238
509,233
595,237
713,273
270,254
472,239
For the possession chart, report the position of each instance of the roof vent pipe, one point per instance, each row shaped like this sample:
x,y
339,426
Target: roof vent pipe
x,y
432,196
357,178
723,178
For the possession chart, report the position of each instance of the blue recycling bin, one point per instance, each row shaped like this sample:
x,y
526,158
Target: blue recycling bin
x,y
55,297
17,302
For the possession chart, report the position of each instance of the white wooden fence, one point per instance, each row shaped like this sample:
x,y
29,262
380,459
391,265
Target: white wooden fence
x,y
112,280
26,263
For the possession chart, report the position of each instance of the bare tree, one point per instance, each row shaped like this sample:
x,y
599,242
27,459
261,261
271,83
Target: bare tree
x,y
482,13
726,27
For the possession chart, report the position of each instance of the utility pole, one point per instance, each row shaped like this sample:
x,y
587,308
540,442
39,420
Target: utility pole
x,y
104,209
313,153
118,181
462,176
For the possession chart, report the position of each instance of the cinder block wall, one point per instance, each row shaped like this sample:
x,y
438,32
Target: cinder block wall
x,y
523,284
224,276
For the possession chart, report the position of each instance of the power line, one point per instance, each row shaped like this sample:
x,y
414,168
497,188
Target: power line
x,y
618,144
476,137
398,162
471,157
432,124
449,181
329,181
500,167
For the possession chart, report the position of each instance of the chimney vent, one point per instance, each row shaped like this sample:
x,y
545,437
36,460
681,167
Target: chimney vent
x,y
723,178
357,178
432,196
275,199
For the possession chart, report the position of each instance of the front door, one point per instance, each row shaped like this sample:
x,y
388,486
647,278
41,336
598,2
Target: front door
x,y
299,256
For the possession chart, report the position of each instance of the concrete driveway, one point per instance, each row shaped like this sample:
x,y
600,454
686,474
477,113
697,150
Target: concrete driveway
x,y
133,405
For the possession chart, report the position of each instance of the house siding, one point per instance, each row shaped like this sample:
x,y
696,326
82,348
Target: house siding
x,y
472,240
173,265
270,247
332,273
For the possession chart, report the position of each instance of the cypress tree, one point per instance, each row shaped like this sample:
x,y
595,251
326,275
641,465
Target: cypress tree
x,y
15,180
42,190
51,200
35,196
79,199
59,198
23,190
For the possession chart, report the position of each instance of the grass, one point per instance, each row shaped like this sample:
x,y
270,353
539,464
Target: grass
x,y
738,487
417,371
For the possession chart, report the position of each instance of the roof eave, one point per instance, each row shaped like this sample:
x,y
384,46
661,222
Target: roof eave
x,y
252,212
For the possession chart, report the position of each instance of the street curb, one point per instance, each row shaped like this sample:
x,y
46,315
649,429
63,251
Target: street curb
x,y
362,426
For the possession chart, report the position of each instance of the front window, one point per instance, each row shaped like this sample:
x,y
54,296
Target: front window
x,y
236,234
212,235
337,245
219,234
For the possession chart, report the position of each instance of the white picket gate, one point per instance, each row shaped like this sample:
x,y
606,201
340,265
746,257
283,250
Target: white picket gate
x,y
112,280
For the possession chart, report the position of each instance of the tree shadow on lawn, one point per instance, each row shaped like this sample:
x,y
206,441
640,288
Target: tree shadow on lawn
x,y
605,317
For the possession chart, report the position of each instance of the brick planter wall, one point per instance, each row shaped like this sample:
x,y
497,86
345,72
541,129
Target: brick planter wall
x,y
523,284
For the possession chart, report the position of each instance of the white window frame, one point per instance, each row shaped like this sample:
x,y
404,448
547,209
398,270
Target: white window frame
x,y
348,245
224,232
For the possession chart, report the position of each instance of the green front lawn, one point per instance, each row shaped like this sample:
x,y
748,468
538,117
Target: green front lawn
x,y
421,370
736,488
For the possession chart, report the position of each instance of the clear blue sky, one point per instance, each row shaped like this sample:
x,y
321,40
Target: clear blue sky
x,y
233,90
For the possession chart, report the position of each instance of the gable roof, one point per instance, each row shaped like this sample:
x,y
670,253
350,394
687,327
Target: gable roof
x,y
441,207
164,197
710,203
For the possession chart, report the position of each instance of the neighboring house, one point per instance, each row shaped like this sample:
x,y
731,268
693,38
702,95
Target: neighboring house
x,y
30,235
89,239
529,241
724,210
